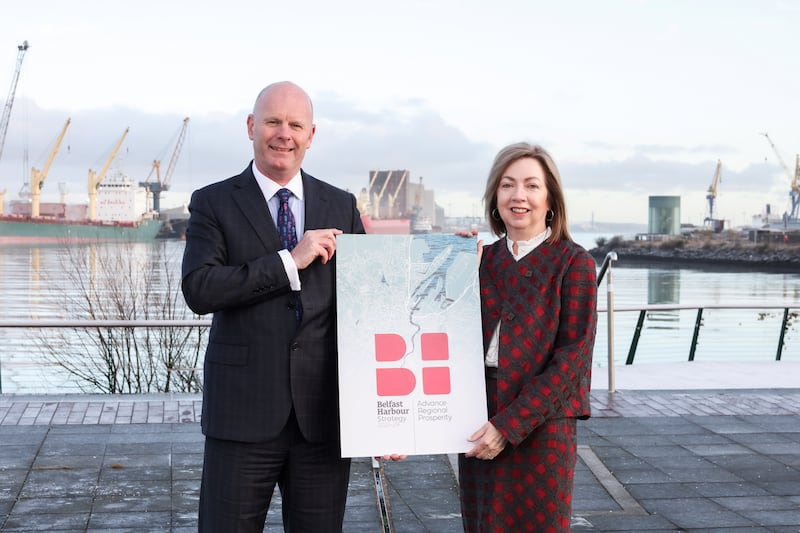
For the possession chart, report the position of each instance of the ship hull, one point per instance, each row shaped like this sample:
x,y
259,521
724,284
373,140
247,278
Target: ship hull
x,y
174,228
391,226
32,231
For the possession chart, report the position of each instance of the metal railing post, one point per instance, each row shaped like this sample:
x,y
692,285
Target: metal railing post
x,y
637,332
610,257
784,325
698,322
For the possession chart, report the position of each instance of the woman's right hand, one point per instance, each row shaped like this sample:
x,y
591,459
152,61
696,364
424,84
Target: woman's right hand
x,y
489,442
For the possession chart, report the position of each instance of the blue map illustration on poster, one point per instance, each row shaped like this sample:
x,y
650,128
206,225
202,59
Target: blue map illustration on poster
x,y
411,373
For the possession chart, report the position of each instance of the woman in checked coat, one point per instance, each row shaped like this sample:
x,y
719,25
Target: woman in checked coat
x,y
538,307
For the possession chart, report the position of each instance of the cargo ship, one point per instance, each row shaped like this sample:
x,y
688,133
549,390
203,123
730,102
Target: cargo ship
x,y
116,211
121,215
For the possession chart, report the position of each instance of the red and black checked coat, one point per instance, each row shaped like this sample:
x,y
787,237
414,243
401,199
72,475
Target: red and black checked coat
x,y
547,302
546,306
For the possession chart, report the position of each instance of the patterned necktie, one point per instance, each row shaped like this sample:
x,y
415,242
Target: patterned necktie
x,y
286,228
288,235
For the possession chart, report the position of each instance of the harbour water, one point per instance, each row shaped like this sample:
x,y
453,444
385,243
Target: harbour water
x,y
51,282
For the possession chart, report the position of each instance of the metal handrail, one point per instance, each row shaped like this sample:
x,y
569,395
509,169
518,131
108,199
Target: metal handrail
x,y
102,323
606,270
606,266
684,307
643,310
201,322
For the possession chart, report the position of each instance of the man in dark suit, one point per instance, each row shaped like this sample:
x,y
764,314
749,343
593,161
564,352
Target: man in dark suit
x,y
270,395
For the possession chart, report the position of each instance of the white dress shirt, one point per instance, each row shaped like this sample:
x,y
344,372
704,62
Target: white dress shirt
x,y
296,204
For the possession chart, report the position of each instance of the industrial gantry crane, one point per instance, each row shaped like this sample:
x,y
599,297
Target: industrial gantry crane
x,y
161,183
392,196
21,49
794,179
715,224
96,178
375,198
38,176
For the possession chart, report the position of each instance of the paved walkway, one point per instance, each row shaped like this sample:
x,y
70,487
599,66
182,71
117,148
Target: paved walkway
x,y
649,460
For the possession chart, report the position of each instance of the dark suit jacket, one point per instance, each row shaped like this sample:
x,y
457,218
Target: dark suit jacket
x,y
257,364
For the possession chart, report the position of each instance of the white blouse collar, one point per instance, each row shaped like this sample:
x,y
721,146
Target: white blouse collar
x,y
525,247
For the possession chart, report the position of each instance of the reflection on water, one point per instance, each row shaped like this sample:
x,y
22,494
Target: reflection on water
x,y
663,287
119,281
34,284
726,334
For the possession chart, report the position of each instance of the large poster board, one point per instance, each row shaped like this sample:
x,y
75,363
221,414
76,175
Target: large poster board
x,y
411,372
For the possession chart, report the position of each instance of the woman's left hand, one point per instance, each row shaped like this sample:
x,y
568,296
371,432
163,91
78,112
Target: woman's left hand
x,y
472,233
488,443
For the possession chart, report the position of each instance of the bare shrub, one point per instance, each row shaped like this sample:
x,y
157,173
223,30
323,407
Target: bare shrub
x,y
127,282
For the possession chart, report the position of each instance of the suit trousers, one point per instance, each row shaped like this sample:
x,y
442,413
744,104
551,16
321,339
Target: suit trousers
x,y
239,479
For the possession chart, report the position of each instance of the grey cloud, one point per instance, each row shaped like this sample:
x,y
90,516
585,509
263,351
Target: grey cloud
x,y
349,143
678,150
641,174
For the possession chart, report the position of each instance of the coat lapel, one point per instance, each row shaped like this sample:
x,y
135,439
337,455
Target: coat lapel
x,y
251,201
315,202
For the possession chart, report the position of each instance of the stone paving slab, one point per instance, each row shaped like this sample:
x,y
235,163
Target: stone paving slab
x,y
698,472
695,461
24,410
143,477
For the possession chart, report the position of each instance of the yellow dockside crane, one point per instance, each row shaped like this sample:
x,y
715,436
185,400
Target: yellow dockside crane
x,y
96,178
38,176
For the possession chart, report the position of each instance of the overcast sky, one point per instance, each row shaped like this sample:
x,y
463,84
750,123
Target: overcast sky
x,y
632,98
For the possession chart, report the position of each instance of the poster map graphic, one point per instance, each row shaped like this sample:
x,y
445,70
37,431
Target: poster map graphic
x,y
411,371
